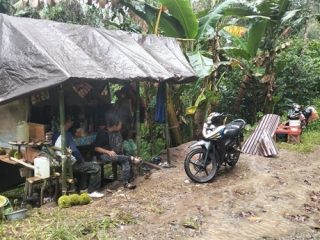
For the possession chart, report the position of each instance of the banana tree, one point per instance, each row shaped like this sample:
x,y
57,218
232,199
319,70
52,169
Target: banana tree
x,y
173,18
207,58
177,18
257,48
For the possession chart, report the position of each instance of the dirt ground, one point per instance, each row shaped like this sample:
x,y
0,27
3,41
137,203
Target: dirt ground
x,y
261,198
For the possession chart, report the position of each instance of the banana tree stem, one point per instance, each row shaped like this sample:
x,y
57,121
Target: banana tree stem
x,y
156,28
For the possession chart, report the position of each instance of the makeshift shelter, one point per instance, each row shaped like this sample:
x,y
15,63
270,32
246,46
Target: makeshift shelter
x,y
40,54
37,54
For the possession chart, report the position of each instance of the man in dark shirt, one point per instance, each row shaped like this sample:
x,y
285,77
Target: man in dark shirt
x,y
108,145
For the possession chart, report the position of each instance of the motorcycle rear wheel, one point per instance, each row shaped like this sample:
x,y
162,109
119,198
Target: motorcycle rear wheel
x,y
195,168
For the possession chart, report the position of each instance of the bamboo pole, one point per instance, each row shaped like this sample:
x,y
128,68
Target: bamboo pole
x,y
167,133
63,140
138,137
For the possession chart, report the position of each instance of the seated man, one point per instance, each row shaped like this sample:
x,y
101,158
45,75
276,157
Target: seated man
x,y
108,145
79,164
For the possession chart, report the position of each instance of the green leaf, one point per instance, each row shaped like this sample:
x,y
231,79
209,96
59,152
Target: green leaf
x,y
202,65
209,23
192,109
237,52
182,11
171,26
289,15
168,24
255,35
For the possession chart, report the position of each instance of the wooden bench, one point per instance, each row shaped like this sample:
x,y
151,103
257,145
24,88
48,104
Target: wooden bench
x,y
53,180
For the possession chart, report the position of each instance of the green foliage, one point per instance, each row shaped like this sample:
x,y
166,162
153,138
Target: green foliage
x,y
201,64
208,24
145,144
255,34
168,24
181,10
6,7
72,11
178,21
28,12
69,11
298,73
62,233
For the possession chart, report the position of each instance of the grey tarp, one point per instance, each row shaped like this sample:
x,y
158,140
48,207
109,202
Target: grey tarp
x,y
37,54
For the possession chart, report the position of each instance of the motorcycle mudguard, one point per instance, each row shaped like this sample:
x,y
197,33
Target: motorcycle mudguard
x,y
201,143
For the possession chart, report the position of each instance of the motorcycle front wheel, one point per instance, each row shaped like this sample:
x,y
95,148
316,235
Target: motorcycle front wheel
x,y
195,166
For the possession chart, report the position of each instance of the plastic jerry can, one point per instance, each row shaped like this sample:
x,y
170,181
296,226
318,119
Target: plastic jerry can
x,y
41,167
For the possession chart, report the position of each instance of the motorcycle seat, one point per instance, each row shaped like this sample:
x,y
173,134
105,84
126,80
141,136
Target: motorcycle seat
x,y
233,128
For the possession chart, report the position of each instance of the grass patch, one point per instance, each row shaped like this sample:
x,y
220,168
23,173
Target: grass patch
x,y
155,209
66,224
192,223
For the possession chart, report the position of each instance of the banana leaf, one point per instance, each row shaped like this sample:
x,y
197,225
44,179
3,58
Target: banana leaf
x,y
182,11
168,24
208,23
191,110
202,65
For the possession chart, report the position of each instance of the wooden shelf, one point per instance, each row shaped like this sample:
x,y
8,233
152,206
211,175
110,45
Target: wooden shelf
x,y
5,158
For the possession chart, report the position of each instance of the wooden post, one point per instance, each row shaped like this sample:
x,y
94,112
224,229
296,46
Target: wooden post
x,y
168,142
138,137
109,93
63,140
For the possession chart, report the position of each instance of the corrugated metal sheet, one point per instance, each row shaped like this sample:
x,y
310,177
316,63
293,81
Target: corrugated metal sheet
x,y
260,141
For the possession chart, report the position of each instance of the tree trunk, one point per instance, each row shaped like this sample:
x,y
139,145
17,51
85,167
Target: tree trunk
x,y
245,83
198,121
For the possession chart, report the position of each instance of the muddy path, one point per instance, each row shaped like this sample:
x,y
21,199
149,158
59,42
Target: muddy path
x,y
261,198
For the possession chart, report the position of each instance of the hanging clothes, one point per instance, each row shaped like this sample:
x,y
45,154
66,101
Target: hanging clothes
x,y
160,112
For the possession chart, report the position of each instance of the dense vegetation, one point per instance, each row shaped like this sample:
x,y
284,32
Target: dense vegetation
x,y
252,57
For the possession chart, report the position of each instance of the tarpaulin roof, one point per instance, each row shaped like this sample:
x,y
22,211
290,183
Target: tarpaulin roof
x,y
37,54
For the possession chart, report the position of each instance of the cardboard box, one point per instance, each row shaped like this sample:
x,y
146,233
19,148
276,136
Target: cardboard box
x,y
30,154
37,132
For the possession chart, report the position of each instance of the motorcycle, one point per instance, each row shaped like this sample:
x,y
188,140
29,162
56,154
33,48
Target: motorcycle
x,y
297,112
221,145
